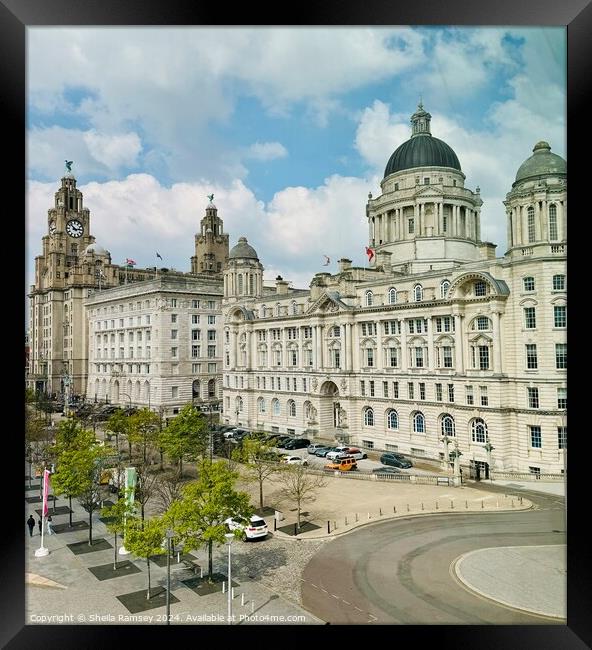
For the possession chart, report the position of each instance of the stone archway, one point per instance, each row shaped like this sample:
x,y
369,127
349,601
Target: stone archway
x,y
330,411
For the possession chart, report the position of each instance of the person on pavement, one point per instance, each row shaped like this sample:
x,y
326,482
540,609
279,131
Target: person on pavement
x,y
31,525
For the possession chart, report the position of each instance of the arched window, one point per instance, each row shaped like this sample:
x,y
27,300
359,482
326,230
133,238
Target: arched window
x,y
251,284
291,408
212,388
240,283
294,308
419,423
261,405
418,293
275,406
262,311
239,404
444,286
479,430
277,309
531,229
392,296
195,390
447,425
553,222
528,283
481,323
392,419
369,298
368,417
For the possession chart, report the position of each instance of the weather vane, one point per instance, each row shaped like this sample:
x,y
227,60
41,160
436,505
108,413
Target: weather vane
x,y
69,165
211,197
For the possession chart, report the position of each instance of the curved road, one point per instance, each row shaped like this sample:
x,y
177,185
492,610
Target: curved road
x,y
401,571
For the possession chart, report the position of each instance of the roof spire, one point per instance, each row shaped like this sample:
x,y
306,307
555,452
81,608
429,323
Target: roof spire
x,y
420,121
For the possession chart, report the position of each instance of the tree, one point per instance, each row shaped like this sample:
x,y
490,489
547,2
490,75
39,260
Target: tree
x,y
259,459
198,519
144,539
186,436
168,490
143,430
118,423
117,514
146,485
300,487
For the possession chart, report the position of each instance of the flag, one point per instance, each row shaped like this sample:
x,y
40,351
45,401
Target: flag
x,y
130,485
158,255
45,490
327,260
370,253
130,262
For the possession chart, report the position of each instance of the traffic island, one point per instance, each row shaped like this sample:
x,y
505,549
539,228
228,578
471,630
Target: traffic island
x,y
66,528
203,587
107,572
136,601
80,548
291,529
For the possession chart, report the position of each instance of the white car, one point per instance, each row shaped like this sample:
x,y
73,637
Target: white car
x,y
257,527
337,453
294,460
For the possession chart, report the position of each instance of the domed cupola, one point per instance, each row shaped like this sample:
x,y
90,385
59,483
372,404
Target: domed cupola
x,y
541,163
243,250
95,249
422,149
243,276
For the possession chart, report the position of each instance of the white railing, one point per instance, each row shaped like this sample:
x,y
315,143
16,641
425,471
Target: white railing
x,y
525,476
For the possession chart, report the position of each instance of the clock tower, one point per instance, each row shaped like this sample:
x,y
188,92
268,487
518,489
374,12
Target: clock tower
x,y
211,243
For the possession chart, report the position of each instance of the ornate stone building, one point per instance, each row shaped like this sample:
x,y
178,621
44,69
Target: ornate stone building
x,y
438,345
73,267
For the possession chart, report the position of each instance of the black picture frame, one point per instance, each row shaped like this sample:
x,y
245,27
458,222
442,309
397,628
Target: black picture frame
x,y
576,15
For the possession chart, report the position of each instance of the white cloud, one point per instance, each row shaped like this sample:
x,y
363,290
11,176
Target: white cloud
x,y
264,151
114,151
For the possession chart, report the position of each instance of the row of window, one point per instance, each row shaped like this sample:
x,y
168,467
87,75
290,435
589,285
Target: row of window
x,y
552,217
559,317
147,304
558,283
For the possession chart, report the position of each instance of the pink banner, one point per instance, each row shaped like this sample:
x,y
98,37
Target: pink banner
x,y
45,490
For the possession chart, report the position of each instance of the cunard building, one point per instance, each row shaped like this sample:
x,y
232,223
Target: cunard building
x,y
439,344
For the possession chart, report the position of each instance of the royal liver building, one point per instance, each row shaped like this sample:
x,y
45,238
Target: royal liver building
x,y
439,344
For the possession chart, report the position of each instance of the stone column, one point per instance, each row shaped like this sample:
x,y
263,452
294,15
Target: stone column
x,y
431,361
379,365
349,347
520,225
459,352
545,222
477,226
498,343
509,227
404,352
233,339
422,228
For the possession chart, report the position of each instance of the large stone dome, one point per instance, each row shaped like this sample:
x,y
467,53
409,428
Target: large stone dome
x,y
541,163
422,149
244,250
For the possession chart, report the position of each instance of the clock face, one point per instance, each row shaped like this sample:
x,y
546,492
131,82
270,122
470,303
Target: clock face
x,y
74,228
52,228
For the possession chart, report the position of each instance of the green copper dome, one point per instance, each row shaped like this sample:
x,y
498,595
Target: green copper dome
x,y
422,149
244,250
542,162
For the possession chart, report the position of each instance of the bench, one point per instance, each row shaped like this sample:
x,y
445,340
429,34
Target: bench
x,y
191,565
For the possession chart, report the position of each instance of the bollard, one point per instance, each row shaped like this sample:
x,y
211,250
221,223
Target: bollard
x,y
380,511
242,599
295,530
368,515
422,505
252,606
395,509
520,500
231,593
452,504
201,572
346,521
466,505
178,557
407,507
223,586
274,524
328,527
356,517
436,505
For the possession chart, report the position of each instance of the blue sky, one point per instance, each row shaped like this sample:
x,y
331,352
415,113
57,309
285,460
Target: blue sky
x,y
289,127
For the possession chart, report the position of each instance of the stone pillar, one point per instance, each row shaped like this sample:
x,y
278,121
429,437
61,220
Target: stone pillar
x,y
404,352
509,227
545,222
431,360
459,355
498,343
349,347
477,227
379,362
422,228
233,340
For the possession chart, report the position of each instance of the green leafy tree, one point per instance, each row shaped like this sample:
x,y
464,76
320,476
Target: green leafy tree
x,y
143,430
117,515
186,436
260,461
299,486
145,539
119,424
206,504
147,483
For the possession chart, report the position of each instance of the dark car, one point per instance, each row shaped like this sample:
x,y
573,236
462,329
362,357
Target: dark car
x,y
283,441
396,460
323,451
382,471
297,443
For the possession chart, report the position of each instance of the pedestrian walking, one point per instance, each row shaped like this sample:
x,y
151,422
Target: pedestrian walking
x,y
40,524
31,525
49,524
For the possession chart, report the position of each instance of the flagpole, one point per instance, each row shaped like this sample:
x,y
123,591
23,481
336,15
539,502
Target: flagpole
x,y
42,551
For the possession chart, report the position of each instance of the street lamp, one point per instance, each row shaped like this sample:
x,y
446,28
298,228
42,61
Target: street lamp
x,y
229,538
489,448
446,440
169,535
456,454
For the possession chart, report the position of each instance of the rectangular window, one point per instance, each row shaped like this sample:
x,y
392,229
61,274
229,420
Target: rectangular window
x,y
422,391
451,392
560,356
173,353
211,319
535,437
411,226
371,388
272,383
212,368
385,388
211,304
469,395
174,392
370,357
419,357
410,389
438,392
307,332
396,390
363,388
531,356
195,352
211,335
174,368
483,357
195,335
196,368
211,351
533,398
484,398
367,444
447,352
530,318
294,358
426,180
227,359
147,319
562,437
173,334
558,283
195,304
562,398
392,357
173,318
195,319
560,316
304,388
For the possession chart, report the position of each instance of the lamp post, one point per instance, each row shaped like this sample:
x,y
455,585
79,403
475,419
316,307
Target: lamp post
x,y
457,478
229,538
169,536
446,440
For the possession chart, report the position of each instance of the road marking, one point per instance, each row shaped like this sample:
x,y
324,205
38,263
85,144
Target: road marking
x,y
371,617
334,596
359,610
324,590
345,601
310,583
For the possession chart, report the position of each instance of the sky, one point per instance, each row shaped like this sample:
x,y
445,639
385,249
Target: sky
x,y
289,128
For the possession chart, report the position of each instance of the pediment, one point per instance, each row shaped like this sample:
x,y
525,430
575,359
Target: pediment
x,y
327,303
429,191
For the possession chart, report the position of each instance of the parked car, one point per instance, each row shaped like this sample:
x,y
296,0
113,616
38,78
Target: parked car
x,y
229,433
281,442
337,452
356,453
297,443
294,460
342,464
312,449
256,528
385,471
396,460
323,451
